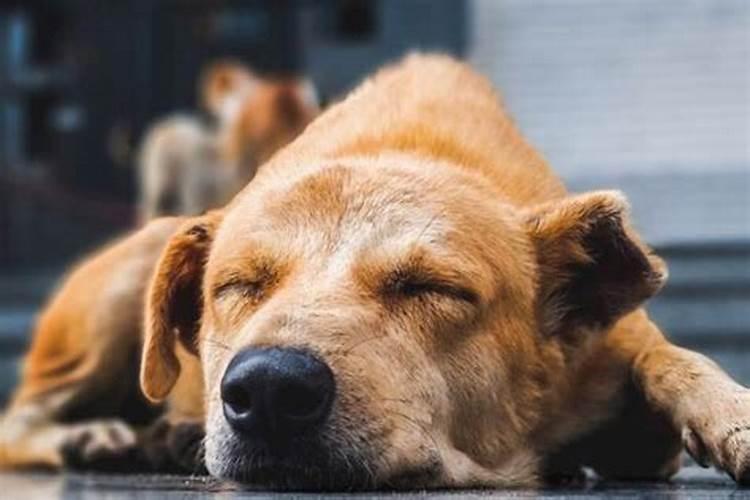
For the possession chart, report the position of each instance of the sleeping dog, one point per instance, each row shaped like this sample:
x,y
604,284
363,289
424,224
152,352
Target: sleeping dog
x,y
405,296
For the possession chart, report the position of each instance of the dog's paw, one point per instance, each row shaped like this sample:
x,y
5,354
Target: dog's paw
x,y
107,445
174,446
185,444
721,437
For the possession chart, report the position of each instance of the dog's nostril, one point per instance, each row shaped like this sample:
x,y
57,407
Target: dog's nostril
x,y
237,398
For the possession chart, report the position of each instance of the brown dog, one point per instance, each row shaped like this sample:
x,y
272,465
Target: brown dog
x,y
406,296
187,167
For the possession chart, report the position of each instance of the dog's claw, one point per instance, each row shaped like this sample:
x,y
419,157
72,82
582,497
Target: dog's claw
x,y
736,451
723,439
695,447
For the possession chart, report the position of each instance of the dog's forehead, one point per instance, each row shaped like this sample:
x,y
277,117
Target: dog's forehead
x,y
340,205
338,218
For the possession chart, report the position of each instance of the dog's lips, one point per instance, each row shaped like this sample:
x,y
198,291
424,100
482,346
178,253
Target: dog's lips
x,y
284,475
349,474
308,465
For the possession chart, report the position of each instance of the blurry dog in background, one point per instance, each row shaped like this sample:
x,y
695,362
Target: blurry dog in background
x,y
187,166
269,116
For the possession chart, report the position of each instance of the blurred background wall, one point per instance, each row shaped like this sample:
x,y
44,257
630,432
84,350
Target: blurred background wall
x,y
649,97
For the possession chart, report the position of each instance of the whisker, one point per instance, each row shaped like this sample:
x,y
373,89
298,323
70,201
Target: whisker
x,y
362,342
420,426
397,400
408,403
218,343
427,226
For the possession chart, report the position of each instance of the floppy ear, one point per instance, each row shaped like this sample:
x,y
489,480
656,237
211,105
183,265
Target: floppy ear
x,y
174,302
593,269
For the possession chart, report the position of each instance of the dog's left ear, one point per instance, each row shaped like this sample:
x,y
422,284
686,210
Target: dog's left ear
x,y
174,303
593,269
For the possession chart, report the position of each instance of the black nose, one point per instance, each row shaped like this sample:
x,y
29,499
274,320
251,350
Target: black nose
x,y
276,392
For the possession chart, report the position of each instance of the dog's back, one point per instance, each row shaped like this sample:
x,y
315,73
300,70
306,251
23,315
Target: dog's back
x,y
456,117
98,309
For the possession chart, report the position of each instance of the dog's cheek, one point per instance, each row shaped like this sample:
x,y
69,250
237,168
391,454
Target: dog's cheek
x,y
215,356
490,383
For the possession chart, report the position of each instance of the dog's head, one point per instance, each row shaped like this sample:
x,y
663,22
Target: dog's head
x,y
222,87
386,322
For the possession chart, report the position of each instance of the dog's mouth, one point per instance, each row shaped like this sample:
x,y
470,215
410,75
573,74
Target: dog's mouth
x,y
305,463
293,474
315,469
343,477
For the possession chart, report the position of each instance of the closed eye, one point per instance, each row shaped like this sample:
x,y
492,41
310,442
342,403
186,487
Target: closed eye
x,y
244,287
253,287
416,284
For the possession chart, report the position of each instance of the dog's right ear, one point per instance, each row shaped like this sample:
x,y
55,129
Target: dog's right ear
x,y
593,268
174,303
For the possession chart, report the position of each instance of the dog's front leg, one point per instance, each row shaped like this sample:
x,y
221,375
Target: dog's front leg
x,y
28,438
710,409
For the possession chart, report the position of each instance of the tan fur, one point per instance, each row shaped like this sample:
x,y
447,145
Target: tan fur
x,y
483,326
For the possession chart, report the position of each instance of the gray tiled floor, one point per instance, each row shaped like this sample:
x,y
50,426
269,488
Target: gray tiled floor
x,y
691,483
